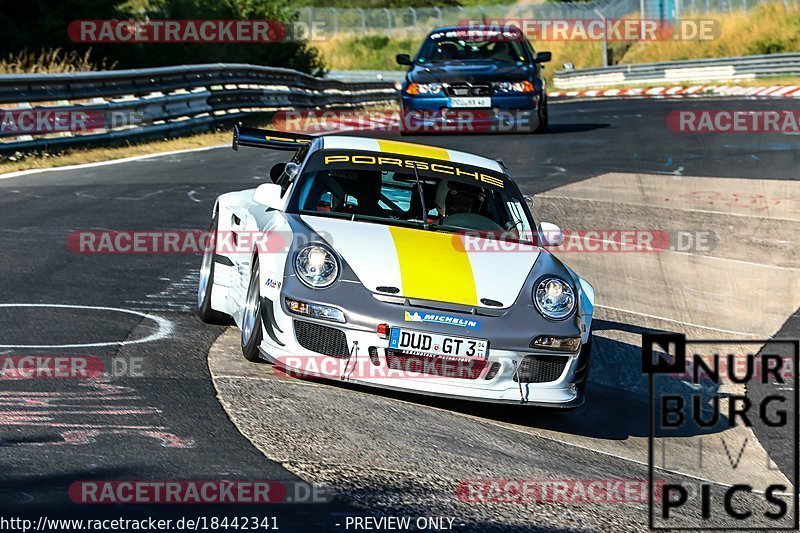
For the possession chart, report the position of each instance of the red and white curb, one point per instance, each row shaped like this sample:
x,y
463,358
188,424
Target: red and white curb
x,y
784,91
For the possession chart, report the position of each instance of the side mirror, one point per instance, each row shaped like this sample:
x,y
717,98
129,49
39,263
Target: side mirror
x,y
543,57
276,171
269,195
403,59
551,235
292,169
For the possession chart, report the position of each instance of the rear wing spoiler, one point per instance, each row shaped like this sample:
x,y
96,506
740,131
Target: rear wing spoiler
x,y
273,139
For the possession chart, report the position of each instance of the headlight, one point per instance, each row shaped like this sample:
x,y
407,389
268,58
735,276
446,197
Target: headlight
x,y
316,266
513,87
424,88
554,298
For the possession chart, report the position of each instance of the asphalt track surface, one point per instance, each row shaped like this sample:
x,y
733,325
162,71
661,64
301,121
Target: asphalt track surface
x,y
166,423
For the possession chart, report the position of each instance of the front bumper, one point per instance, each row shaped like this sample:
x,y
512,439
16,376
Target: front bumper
x,y
507,113
356,353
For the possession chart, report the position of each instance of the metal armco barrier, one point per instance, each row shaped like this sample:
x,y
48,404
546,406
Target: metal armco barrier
x,y
693,71
169,101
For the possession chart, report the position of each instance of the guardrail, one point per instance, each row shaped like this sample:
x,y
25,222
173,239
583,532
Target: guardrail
x,y
137,104
394,76
693,71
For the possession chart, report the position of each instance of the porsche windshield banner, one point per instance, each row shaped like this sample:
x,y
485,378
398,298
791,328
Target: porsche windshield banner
x,y
354,160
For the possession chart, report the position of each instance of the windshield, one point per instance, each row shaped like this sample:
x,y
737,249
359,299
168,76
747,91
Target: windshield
x,y
375,188
471,46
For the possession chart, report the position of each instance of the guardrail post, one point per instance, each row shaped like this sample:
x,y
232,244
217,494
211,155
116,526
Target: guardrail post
x,y
363,20
642,16
605,37
388,20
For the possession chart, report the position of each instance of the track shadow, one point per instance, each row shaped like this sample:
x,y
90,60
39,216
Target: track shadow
x,y
555,129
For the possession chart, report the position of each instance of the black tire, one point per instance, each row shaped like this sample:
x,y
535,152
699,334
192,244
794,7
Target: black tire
x,y
544,118
252,331
206,283
584,365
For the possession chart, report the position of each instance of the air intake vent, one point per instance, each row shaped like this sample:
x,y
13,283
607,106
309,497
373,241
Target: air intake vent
x,y
493,371
541,368
388,290
373,356
321,339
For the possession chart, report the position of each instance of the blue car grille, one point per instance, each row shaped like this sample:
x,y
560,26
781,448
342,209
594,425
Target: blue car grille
x,y
466,89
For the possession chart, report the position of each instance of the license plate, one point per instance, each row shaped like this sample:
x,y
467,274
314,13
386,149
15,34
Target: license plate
x,y
409,340
475,101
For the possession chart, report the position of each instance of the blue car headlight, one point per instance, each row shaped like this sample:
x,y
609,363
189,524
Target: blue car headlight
x,y
424,88
513,87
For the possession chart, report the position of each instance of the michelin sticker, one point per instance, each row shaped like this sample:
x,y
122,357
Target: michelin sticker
x,y
437,318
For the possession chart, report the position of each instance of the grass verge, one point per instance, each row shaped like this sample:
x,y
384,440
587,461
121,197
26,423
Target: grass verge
x,y
93,155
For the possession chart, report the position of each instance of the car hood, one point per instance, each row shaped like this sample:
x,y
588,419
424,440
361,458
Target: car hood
x,y
429,265
469,71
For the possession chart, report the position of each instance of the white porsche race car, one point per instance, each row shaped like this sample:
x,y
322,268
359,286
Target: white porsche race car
x,y
400,266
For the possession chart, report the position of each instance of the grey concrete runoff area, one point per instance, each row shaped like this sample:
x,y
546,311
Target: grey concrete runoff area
x,y
194,409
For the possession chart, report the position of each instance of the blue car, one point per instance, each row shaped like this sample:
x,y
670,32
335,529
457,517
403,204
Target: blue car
x,y
474,79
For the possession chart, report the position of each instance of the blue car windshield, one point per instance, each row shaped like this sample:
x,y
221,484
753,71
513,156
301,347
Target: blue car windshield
x,y
462,46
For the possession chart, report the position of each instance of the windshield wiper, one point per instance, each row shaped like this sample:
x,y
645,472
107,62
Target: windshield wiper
x,y
421,200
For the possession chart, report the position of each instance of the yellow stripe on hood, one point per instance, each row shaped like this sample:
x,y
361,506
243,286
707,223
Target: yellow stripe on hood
x,y
413,150
432,267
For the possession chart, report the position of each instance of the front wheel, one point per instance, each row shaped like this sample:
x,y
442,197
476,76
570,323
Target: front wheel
x,y
206,282
544,117
252,333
